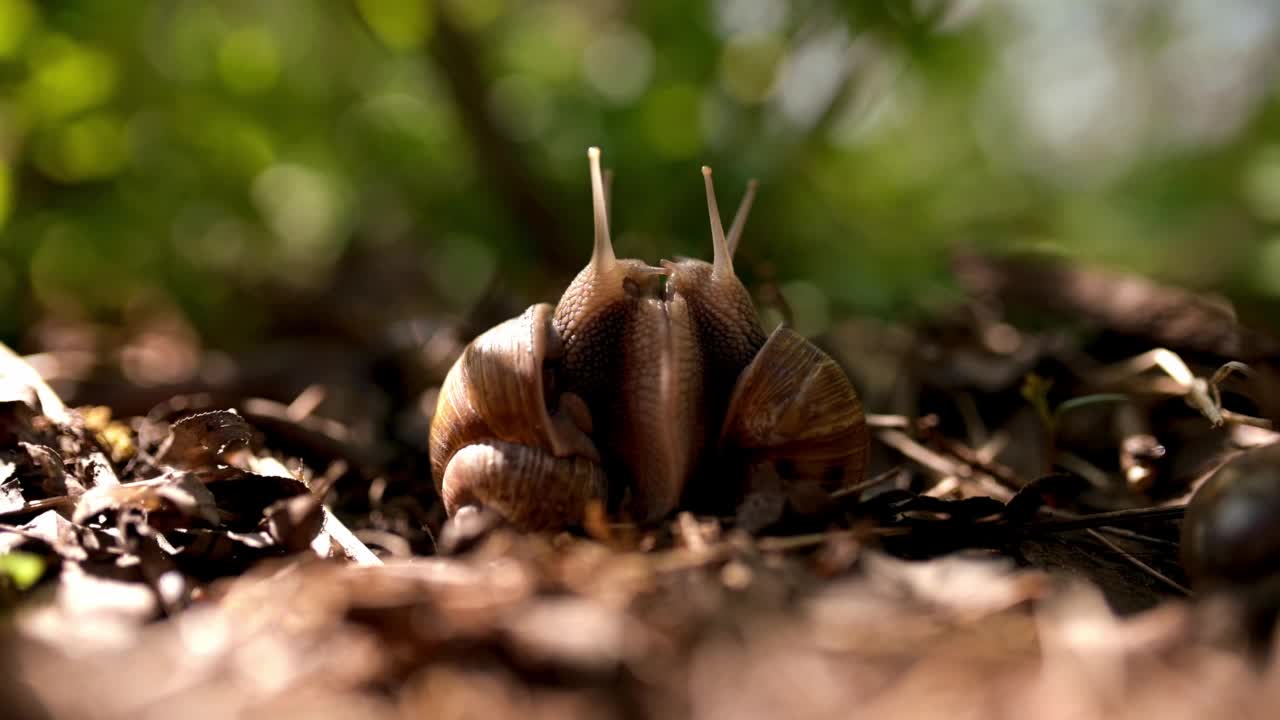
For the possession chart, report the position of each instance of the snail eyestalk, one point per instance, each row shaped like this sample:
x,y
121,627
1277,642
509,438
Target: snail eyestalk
x,y
722,262
740,217
602,257
608,196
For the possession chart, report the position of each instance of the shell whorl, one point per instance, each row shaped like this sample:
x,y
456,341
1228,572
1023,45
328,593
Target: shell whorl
x,y
794,405
496,396
531,488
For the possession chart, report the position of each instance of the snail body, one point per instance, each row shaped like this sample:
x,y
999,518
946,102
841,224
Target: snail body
x,y
640,379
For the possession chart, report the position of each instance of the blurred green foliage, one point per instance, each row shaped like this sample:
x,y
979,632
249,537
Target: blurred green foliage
x,y
206,151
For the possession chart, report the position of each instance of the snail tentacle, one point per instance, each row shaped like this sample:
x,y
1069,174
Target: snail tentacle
x,y
722,260
740,217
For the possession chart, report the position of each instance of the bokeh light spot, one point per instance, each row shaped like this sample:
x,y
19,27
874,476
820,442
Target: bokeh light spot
x,y
1262,184
812,75
90,148
672,120
749,67
16,20
737,17
545,40
303,207
248,61
399,24
619,64
67,78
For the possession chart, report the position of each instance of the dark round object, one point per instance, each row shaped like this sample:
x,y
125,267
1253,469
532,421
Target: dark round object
x,y
1231,532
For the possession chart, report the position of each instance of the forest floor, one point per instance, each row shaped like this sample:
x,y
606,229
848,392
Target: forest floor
x,y
258,536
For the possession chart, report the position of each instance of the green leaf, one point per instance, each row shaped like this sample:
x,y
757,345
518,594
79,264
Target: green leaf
x,y
23,569
1086,400
1035,389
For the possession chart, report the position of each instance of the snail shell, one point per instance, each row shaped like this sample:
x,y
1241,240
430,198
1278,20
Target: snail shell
x,y
644,382
493,439
794,407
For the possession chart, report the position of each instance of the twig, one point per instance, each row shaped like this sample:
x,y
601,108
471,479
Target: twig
x,y
971,457
868,483
945,466
1136,536
1137,563
1114,517
887,421
922,455
39,505
351,546
777,543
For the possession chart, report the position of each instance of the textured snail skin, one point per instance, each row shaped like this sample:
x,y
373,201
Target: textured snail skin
x,y
632,386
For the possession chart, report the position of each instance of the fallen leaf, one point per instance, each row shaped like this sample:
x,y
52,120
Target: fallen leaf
x,y
199,440
177,491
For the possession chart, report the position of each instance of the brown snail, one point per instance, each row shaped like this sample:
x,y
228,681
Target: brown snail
x,y
1231,531
638,381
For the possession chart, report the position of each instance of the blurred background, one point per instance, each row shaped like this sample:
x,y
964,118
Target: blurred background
x,y
223,170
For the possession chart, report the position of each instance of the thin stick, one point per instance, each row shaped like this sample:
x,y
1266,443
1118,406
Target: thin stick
x,y
38,505
351,546
1114,517
887,421
1137,563
1136,536
776,543
868,483
923,456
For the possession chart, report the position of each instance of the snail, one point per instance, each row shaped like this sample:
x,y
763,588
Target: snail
x,y
643,387
1231,531
1231,548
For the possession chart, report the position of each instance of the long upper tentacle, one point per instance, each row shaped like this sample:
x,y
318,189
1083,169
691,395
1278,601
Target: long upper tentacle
x,y
602,257
723,258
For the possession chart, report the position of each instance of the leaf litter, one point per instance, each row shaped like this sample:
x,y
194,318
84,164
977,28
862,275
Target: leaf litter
x,y
1013,552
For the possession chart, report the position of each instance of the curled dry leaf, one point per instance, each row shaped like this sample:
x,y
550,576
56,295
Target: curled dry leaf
x,y
45,462
294,522
176,492
200,440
